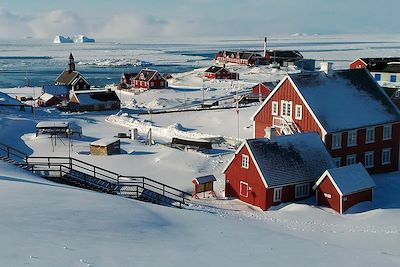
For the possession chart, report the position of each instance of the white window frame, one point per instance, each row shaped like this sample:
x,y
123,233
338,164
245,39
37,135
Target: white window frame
x,y
299,112
387,151
275,108
151,83
337,161
352,156
339,143
286,109
369,141
245,161
387,132
369,159
350,140
277,194
327,195
247,189
301,190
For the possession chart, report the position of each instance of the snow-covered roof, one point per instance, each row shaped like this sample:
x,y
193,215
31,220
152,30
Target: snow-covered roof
x,y
348,179
289,159
104,141
345,99
46,97
93,97
56,89
52,124
204,179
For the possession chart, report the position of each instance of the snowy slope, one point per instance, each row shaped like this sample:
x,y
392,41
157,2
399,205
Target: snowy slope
x,y
46,224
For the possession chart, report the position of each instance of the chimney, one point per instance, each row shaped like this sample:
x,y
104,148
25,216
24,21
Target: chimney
x,y
327,67
265,47
271,133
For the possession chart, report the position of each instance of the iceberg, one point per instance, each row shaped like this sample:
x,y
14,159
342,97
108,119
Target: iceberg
x,y
59,39
82,39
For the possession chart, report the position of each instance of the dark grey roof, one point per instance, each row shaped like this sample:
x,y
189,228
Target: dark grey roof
x,y
346,99
67,77
90,97
287,54
384,64
147,74
290,159
205,179
214,69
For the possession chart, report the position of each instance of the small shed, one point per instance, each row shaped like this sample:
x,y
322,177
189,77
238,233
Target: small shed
x,y
105,146
48,100
341,188
52,127
203,184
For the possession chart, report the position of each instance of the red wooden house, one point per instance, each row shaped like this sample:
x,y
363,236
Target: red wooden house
x,y
354,117
341,188
242,57
263,89
216,72
149,79
267,172
48,100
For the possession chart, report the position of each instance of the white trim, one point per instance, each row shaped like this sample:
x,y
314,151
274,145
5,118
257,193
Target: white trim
x,y
322,177
350,157
383,132
361,60
369,153
390,155
300,108
275,104
340,141
80,76
349,133
240,189
252,158
306,185
370,141
337,159
274,197
245,161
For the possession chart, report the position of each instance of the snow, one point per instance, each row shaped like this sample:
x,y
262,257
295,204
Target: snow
x,y
48,224
349,179
52,124
46,97
104,142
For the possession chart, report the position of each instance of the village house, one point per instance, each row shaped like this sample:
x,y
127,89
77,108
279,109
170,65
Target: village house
x,y
48,100
93,100
216,72
72,78
241,57
126,79
149,79
59,91
266,172
353,116
341,188
281,56
386,72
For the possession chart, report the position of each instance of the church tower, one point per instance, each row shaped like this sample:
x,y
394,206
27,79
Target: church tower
x,y
71,65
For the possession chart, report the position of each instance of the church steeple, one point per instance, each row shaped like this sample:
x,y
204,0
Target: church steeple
x,y
71,65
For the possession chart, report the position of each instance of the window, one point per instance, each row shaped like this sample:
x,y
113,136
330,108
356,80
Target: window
x,y
161,83
301,190
274,108
277,194
386,156
327,195
369,135
393,78
369,159
151,84
352,138
286,109
338,162
245,161
299,112
397,94
351,159
336,140
244,189
387,132
377,76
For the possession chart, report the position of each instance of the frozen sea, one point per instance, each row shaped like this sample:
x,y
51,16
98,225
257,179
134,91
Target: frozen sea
x,y
38,62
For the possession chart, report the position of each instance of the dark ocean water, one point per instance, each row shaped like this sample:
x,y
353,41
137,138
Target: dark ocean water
x,y
35,63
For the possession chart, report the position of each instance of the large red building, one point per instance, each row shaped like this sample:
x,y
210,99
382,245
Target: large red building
x,y
266,172
149,79
343,187
353,116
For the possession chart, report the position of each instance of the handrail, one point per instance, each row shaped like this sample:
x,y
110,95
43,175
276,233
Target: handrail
x,y
13,151
104,174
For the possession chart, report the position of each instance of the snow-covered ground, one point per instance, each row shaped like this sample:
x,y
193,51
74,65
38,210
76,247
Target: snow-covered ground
x,y
47,224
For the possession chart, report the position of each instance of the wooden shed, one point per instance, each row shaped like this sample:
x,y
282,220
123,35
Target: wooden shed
x,y
105,146
341,188
204,184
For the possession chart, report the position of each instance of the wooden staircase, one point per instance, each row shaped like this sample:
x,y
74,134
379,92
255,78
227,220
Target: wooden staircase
x,y
78,173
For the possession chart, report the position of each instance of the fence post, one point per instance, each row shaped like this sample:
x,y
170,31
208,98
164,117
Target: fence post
x,y
143,182
60,172
94,171
8,152
70,163
163,189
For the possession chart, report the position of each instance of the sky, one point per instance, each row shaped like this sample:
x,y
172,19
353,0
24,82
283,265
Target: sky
x,y
176,19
